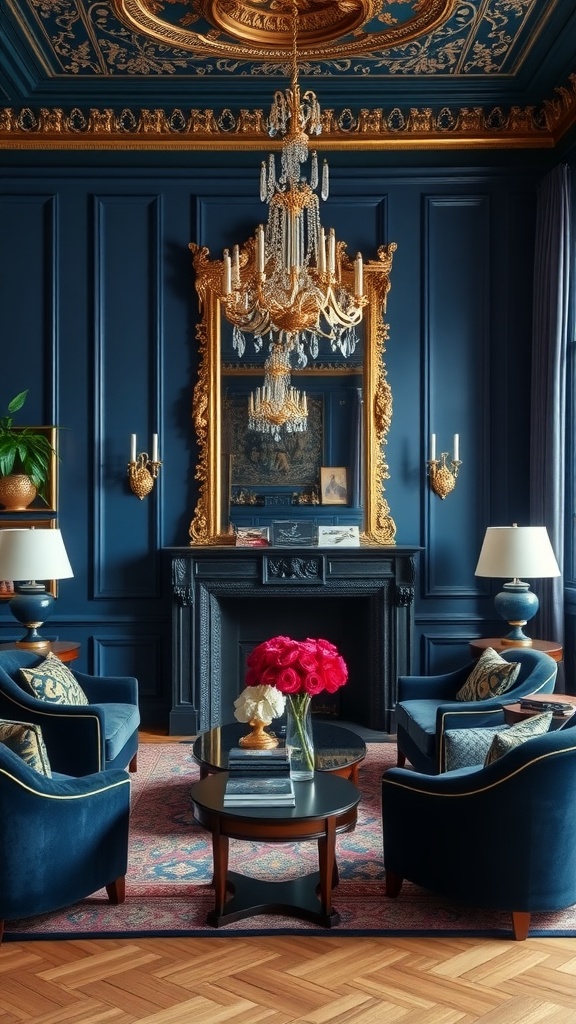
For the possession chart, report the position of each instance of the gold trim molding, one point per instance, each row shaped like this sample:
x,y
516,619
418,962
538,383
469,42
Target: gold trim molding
x,y
418,128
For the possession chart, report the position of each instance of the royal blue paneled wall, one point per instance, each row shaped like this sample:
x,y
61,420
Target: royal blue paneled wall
x,y
97,319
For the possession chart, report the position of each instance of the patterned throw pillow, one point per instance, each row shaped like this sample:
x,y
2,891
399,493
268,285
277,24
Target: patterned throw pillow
x,y
466,747
53,682
491,676
25,739
517,734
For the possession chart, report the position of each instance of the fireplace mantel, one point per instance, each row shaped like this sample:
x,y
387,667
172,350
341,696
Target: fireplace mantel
x,y
225,600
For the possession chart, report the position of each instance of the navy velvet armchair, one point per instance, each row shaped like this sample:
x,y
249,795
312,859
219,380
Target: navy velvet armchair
x,y
501,837
61,838
80,739
427,708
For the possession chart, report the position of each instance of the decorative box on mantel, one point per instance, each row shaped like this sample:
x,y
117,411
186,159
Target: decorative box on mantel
x,y
225,600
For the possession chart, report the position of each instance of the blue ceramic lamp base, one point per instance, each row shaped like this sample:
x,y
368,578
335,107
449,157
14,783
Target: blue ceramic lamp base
x,y
31,606
517,604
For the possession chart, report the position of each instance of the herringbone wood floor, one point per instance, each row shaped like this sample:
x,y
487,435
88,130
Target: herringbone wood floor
x,y
285,979
279,979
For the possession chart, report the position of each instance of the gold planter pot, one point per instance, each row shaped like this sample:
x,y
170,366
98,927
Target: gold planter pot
x,y
17,492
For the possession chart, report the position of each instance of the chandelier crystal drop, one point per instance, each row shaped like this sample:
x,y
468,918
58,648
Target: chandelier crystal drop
x,y
276,404
293,281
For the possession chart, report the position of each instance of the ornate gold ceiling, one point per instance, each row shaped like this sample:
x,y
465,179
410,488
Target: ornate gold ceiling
x,y
259,29
406,74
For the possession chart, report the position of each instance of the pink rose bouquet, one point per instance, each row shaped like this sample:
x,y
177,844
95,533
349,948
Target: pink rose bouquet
x,y
299,669
296,666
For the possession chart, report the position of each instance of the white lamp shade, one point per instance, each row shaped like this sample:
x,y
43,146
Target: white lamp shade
x,y
33,555
517,552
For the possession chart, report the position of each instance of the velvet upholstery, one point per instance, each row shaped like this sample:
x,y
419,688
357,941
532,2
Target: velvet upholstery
x,y
79,739
492,830
62,838
427,706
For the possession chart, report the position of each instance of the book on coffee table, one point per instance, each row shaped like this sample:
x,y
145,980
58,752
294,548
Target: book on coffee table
x,y
258,763
261,792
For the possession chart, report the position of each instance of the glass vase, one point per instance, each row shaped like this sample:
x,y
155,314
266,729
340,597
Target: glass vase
x,y
299,738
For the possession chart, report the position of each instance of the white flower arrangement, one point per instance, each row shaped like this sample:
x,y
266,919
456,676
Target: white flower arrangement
x,y
259,702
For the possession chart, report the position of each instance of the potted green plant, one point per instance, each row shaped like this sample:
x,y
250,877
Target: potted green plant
x,y
25,460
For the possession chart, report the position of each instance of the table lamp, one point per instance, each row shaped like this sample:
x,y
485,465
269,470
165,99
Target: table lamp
x,y
30,554
517,551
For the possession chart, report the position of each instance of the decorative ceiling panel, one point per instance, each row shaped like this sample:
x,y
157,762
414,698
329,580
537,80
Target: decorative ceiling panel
x,y
408,38
407,73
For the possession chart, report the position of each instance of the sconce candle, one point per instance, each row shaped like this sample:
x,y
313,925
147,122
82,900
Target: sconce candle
x,y
143,470
443,478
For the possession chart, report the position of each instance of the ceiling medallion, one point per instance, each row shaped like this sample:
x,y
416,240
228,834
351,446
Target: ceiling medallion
x,y
260,29
261,24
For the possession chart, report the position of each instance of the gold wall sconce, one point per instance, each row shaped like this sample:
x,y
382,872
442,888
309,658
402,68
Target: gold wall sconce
x,y
143,470
443,478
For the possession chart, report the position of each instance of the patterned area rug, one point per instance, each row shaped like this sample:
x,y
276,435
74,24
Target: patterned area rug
x,y
168,888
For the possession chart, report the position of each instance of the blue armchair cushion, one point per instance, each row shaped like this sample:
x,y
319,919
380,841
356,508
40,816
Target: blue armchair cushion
x,y
120,724
466,747
490,677
25,739
52,681
517,734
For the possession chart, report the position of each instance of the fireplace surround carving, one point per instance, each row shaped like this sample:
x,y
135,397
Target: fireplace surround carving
x,y
226,600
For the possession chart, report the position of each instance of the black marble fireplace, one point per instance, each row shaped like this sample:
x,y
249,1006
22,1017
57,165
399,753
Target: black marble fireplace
x,y
225,600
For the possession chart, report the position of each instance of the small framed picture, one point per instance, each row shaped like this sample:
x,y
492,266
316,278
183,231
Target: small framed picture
x,y
292,534
252,537
338,536
333,485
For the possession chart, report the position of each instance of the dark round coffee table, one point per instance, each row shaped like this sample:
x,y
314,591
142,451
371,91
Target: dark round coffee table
x,y
336,750
325,807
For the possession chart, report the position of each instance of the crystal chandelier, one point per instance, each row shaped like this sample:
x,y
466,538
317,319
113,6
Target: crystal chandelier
x,y
277,404
292,283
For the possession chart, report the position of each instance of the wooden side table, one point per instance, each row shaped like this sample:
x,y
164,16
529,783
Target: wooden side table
x,y
66,651
547,646
514,713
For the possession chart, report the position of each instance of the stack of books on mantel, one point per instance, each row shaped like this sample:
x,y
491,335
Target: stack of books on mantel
x,y
259,778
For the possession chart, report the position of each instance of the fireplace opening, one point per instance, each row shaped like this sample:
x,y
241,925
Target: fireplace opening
x,y
346,621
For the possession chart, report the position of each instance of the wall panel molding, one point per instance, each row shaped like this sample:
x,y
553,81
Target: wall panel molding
x,y
141,656
29,289
127,355
457,301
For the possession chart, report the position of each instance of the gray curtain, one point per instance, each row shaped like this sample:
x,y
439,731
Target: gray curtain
x,y
548,392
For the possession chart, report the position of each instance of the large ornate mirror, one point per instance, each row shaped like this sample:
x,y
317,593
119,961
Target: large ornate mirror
x,y
334,471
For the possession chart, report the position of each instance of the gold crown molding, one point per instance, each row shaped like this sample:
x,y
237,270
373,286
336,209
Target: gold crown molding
x,y
257,30
418,128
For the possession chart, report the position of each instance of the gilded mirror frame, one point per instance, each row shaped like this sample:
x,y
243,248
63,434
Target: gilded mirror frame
x,y
207,526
